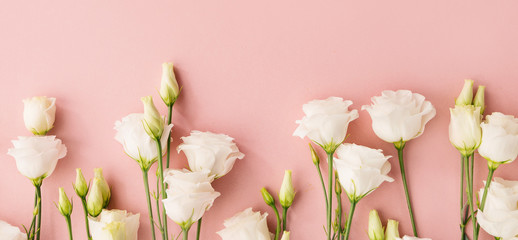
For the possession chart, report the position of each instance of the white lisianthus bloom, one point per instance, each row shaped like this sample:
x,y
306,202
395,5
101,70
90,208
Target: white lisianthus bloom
x,y
114,225
136,142
326,122
39,114
399,116
247,225
465,132
37,156
8,232
412,238
189,195
500,215
361,169
213,152
169,89
499,138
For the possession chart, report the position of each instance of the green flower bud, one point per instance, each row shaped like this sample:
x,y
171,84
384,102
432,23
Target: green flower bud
x,y
314,155
80,185
287,193
338,186
105,188
153,122
169,89
479,99
392,232
285,235
94,202
64,205
466,95
268,199
375,226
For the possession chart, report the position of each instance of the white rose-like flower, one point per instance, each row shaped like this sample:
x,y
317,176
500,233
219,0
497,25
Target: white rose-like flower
x,y
326,122
247,225
399,116
189,195
500,215
37,156
39,114
499,138
216,153
412,238
361,169
136,142
8,232
114,225
465,132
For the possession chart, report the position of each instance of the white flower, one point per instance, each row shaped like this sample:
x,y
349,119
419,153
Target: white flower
x,y
326,122
37,156
499,138
169,90
412,238
114,225
39,114
136,142
361,169
464,129
210,151
399,116
8,232
500,215
189,195
247,225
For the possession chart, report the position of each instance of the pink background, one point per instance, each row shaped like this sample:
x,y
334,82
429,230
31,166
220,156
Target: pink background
x,y
246,69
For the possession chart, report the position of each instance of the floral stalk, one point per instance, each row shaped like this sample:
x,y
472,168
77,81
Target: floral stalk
x,y
330,194
148,198
69,225
399,148
169,119
198,229
38,225
486,189
470,196
83,202
350,218
162,185
462,190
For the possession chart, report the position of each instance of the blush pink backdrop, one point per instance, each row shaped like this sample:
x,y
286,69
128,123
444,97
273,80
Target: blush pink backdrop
x,y
246,68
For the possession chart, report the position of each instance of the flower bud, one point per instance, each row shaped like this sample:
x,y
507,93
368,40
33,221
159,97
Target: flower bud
x,y
39,114
94,203
285,235
314,155
105,188
80,185
466,95
338,186
153,122
64,205
375,226
169,90
287,193
392,232
268,199
479,99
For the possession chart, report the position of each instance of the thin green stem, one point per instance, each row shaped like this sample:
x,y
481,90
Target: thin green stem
x,y
32,229
148,198
185,233
284,217
38,228
462,190
330,194
85,210
198,229
161,179
323,185
69,224
157,201
405,185
470,198
169,118
278,229
339,217
486,190
350,219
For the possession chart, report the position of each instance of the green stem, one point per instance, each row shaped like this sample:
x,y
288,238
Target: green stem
x,y
323,184
330,194
32,229
169,118
185,233
85,210
157,201
339,217
161,179
69,224
38,228
470,198
278,229
284,217
405,185
148,197
486,190
462,190
350,219
198,229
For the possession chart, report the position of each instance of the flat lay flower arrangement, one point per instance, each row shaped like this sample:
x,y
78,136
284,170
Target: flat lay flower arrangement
x,y
351,171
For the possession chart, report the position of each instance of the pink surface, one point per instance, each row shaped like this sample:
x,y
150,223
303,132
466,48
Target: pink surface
x,y
246,69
